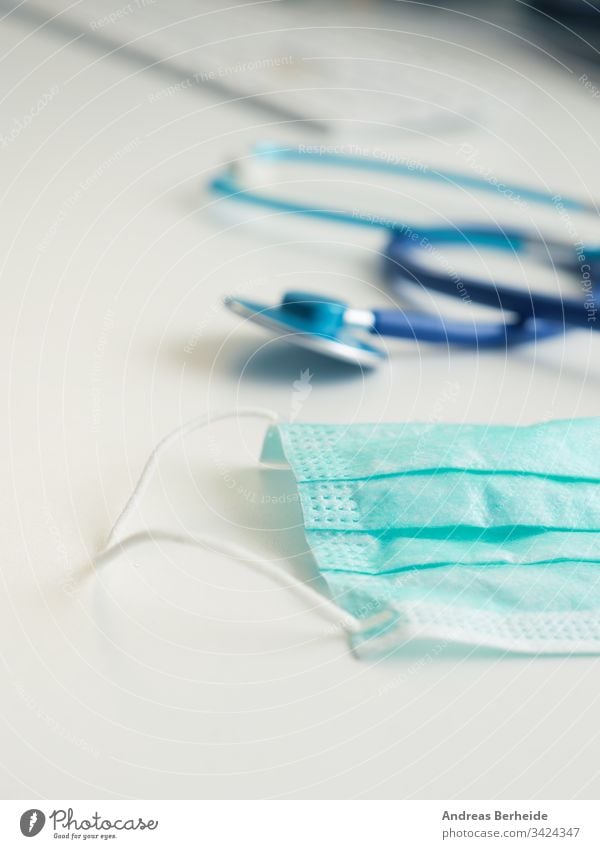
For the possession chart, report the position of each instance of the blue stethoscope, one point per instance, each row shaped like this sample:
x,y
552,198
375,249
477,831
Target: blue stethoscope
x,y
333,328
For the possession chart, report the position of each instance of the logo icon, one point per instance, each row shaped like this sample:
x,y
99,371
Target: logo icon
x,y
32,822
301,389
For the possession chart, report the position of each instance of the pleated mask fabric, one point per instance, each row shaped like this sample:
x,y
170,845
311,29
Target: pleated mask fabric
x,y
477,534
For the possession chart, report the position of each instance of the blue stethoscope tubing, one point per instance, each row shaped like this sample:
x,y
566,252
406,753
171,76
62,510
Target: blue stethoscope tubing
x,y
538,315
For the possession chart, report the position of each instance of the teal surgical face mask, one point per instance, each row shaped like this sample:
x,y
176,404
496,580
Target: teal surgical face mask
x,y
485,535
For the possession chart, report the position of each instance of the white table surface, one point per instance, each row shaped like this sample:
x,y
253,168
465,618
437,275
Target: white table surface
x,y
182,673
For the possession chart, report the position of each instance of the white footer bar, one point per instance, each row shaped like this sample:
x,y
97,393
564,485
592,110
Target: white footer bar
x,y
300,824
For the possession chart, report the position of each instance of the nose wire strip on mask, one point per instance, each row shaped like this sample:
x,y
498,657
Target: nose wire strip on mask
x,y
114,547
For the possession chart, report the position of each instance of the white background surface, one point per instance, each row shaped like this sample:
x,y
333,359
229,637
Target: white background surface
x,y
177,673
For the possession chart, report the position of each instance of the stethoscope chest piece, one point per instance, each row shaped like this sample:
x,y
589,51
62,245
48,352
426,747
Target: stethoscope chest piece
x,y
315,323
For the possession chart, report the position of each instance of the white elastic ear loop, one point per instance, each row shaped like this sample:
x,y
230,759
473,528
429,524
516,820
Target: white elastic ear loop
x,y
180,432
114,548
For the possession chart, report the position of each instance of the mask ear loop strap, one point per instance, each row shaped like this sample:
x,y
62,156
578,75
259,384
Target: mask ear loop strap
x,y
115,546
165,443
